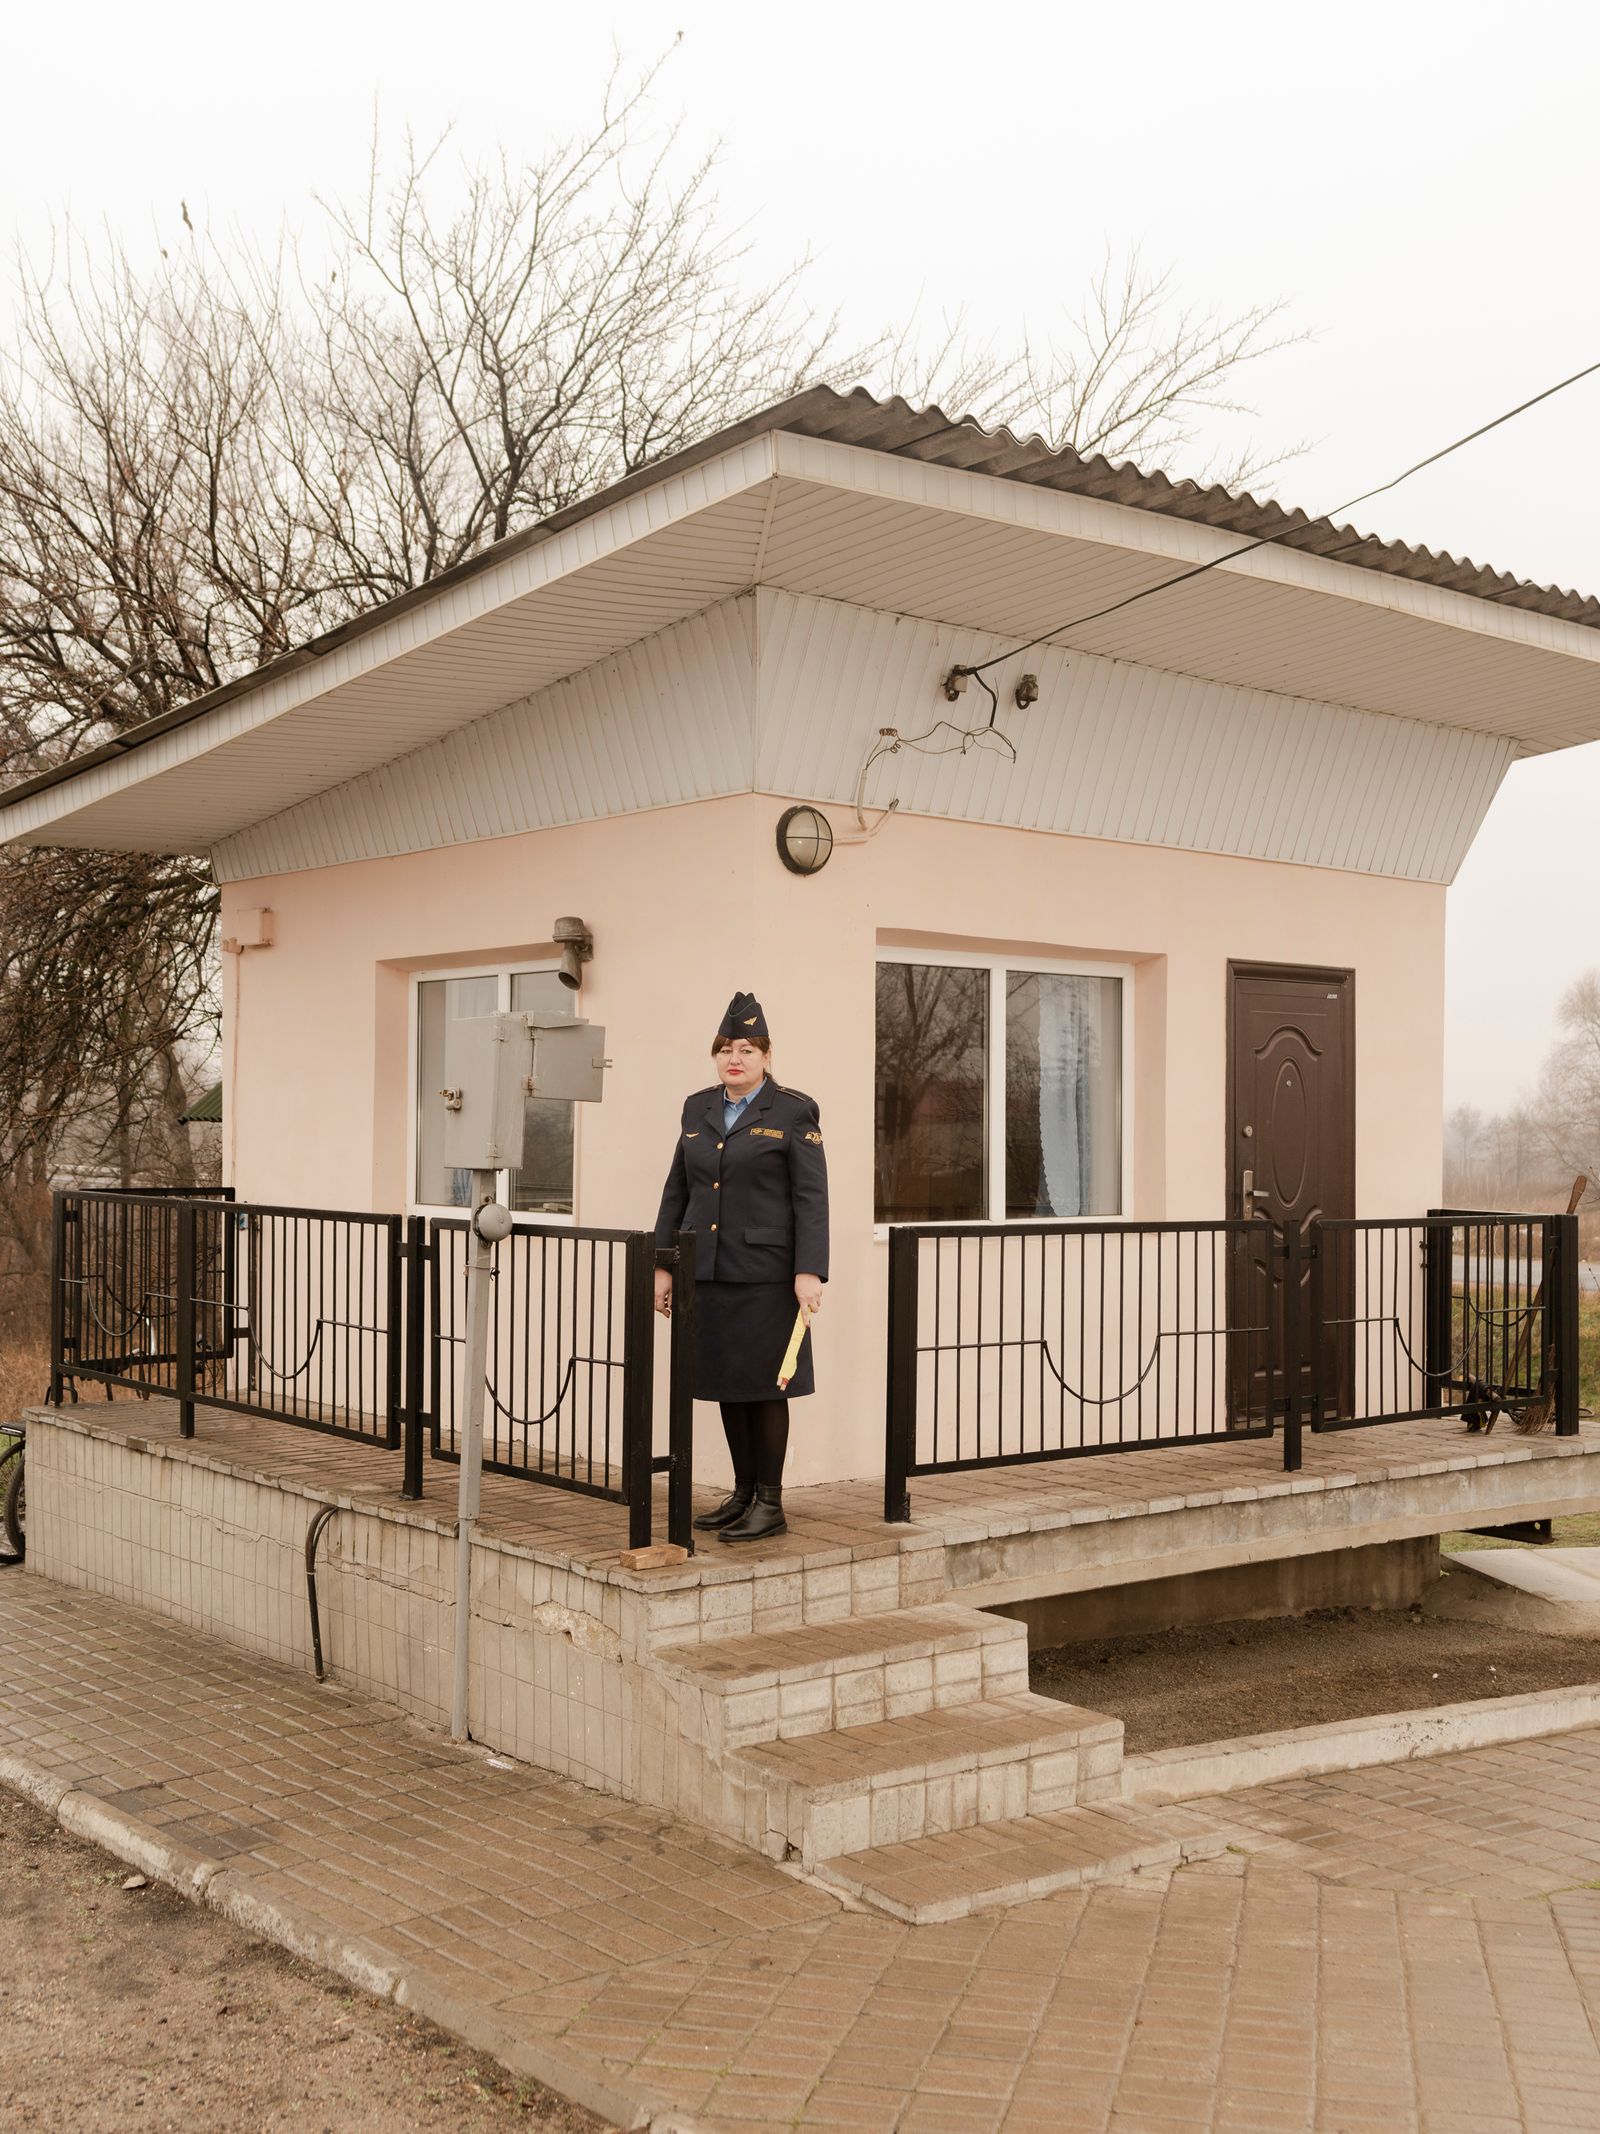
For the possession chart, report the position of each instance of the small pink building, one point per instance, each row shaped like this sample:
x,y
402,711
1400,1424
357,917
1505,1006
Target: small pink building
x,y
1133,913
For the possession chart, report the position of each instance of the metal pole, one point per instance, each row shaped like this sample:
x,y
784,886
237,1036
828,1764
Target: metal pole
x,y
474,1369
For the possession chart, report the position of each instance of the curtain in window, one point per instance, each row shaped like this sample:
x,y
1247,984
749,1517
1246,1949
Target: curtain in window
x,y
1063,1081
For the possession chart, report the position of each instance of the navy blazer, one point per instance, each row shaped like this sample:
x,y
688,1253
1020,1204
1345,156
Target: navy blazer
x,y
756,1198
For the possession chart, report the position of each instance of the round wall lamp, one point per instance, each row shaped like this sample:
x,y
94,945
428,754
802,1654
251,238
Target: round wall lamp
x,y
805,840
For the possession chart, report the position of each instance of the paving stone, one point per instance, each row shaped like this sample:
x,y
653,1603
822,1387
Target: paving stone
x,y
1400,1950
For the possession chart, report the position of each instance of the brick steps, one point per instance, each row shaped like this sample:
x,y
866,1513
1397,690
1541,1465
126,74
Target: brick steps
x,y
860,1671
932,1879
933,1771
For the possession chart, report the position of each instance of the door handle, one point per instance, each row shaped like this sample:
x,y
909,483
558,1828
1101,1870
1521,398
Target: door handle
x,y
1251,1191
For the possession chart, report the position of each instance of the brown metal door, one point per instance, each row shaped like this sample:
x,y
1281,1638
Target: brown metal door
x,y
1291,1155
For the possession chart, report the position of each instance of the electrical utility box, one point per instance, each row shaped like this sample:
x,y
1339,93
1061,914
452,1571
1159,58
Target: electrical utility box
x,y
492,1063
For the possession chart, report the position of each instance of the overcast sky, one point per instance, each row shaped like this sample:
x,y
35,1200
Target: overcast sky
x,y
1416,180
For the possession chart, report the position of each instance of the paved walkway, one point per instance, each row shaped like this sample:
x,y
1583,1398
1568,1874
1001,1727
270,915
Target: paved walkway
x,y
1410,1948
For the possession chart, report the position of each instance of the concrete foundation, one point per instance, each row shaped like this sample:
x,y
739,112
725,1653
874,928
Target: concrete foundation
x,y
1389,1574
859,1689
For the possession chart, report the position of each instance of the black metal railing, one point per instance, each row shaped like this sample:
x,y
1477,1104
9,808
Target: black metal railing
x,y
350,1323
1014,1343
1017,1343
1458,1311
126,1266
567,1391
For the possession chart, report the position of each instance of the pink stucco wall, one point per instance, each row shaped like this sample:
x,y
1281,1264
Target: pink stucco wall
x,y
687,904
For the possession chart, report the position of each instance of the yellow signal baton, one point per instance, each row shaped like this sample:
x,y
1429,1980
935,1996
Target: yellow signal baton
x,y
791,1355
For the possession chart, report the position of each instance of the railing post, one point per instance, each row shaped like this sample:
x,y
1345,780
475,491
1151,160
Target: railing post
x,y
230,1281
680,1396
1438,1271
394,1332
900,1422
638,1386
1561,1326
186,1335
415,1253
1291,1350
58,1296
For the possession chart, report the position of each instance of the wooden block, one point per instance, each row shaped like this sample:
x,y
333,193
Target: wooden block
x,y
655,1558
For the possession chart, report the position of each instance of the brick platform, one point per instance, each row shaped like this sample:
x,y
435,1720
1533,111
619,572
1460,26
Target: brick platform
x,y
842,1698
1387,1952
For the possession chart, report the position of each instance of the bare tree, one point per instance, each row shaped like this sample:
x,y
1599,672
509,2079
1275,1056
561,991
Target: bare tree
x,y
1464,1132
1569,1089
209,458
1131,374
205,462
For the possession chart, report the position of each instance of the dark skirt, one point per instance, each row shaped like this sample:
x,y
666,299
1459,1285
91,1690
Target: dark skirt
x,y
740,1334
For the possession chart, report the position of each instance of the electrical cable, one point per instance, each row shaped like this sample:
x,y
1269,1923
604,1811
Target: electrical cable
x,y
890,741
1280,538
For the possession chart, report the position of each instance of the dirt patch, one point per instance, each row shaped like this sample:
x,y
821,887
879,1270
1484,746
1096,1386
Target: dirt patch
x,y
1215,1682
138,2009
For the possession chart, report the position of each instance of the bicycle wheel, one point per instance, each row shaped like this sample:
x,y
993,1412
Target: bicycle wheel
x,y
13,1514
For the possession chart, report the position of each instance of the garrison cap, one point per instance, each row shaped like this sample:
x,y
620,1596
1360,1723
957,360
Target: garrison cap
x,y
745,1019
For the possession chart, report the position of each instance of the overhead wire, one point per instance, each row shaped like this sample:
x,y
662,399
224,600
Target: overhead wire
x,y
1281,537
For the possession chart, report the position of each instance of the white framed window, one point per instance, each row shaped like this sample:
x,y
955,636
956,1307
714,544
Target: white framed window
x,y
1002,1088
542,1185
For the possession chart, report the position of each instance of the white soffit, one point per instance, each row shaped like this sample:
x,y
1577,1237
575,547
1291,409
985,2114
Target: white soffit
x,y
1110,750
668,720
878,531
1113,750
552,610
872,529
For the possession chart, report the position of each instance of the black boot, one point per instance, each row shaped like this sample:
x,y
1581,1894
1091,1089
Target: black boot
x,y
764,1517
731,1508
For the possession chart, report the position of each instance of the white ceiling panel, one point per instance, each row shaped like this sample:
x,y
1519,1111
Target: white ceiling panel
x,y
887,533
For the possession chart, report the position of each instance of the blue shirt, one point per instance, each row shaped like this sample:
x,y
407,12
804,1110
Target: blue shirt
x,y
733,1108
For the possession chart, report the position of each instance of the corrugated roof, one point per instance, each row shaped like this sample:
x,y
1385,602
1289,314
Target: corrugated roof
x,y
928,434
206,1110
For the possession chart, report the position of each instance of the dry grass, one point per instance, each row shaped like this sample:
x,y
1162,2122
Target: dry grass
x,y
24,1375
1589,1351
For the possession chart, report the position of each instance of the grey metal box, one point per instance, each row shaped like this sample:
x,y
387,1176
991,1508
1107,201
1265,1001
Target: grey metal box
x,y
486,1064
568,1060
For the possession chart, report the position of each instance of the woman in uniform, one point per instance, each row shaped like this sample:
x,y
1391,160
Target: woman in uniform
x,y
749,1179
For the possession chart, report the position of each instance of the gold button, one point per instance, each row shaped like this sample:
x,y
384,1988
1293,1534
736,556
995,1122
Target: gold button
x,y
713,1226
719,1144
716,1185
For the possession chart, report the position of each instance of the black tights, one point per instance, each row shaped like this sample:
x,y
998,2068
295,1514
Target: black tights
x,y
758,1437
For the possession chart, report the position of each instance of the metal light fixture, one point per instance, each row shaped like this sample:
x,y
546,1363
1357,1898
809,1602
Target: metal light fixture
x,y
577,948
805,840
